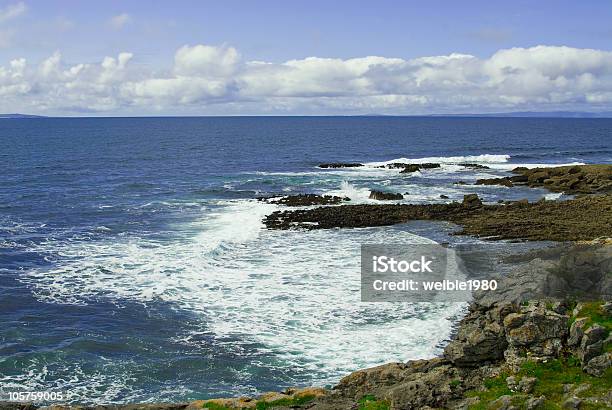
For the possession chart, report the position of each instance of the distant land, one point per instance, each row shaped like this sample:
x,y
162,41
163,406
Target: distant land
x,y
535,114
516,114
20,116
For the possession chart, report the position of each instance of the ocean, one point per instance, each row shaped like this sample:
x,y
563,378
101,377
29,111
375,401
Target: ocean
x,y
134,265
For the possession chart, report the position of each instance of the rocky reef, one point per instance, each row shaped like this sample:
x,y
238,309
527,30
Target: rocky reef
x,y
404,167
577,179
385,196
305,200
583,218
340,165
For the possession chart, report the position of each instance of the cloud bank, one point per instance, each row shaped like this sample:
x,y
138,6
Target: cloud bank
x,y
205,79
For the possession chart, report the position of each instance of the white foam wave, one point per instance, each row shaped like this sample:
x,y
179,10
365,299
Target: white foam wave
x,y
237,222
297,293
356,194
509,167
480,159
553,196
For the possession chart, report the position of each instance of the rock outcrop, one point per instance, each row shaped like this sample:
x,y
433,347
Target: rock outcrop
x,y
473,166
584,218
408,168
417,167
495,181
385,196
576,179
520,348
306,200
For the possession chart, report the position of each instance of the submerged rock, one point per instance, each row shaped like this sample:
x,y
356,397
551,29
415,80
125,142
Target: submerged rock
x,y
341,165
408,168
474,166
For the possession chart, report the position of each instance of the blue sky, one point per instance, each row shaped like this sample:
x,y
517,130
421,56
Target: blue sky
x,y
277,32
282,30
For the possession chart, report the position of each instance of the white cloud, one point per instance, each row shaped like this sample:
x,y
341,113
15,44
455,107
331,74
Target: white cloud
x,y
119,21
12,11
206,61
206,78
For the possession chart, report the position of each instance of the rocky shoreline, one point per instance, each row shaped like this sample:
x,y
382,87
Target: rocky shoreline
x,y
528,347
531,346
576,179
583,218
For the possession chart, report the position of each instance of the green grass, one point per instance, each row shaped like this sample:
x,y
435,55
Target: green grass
x,y
494,388
264,405
215,406
594,314
296,401
551,376
369,402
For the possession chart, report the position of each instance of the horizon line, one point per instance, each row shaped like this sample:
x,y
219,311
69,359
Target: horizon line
x,y
526,114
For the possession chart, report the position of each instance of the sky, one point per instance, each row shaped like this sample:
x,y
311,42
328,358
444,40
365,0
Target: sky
x,y
123,58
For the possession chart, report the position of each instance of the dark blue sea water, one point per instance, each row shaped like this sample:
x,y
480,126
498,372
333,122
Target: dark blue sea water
x,y
134,265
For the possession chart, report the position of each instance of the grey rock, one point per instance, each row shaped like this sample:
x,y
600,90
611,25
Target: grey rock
x,y
477,341
431,388
598,365
595,333
533,403
539,325
503,403
512,383
527,384
514,320
588,352
572,403
471,201
385,196
576,331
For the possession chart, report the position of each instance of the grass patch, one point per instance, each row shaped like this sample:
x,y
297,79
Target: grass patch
x,y
494,389
264,405
296,401
370,402
551,376
594,314
215,406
